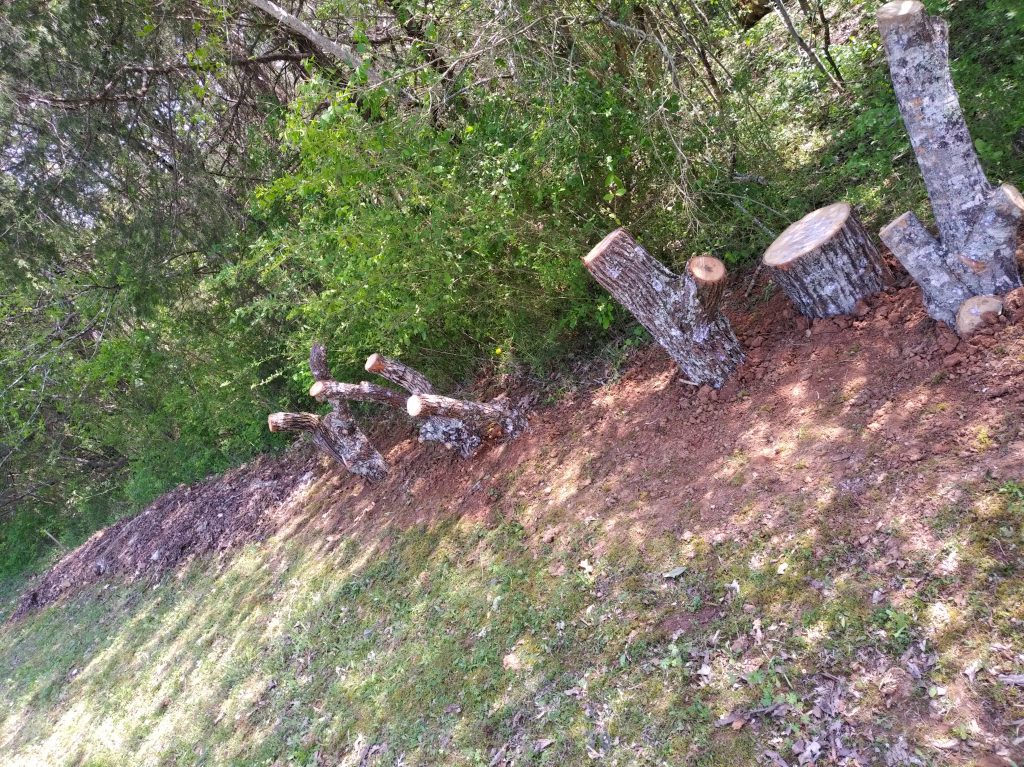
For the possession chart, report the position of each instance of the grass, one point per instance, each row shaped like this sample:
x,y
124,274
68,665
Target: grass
x,y
444,645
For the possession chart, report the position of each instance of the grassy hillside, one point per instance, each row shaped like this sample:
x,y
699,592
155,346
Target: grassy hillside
x,y
647,577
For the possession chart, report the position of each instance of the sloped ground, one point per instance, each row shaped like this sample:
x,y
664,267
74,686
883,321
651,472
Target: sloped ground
x,y
843,528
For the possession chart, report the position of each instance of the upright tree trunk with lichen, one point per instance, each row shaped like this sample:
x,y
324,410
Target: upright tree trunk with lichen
x,y
978,224
338,437
482,415
682,312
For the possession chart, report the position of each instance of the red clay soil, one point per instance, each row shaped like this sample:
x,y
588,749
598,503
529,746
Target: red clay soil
x,y
871,399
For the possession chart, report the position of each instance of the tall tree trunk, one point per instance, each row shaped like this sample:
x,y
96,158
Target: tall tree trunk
x,y
978,224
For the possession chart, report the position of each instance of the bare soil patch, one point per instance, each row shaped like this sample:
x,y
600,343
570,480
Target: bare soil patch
x,y
835,409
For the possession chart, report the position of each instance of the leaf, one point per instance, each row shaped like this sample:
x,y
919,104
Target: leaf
x,y
731,719
675,572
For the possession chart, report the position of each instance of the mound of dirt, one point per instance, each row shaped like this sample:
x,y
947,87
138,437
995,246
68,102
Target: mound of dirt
x,y
877,394
220,513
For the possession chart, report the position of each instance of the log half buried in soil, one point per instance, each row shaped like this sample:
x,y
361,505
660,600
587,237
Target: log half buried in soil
x,y
338,437
974,313
482,415
826,262
453,433
682,312
978,223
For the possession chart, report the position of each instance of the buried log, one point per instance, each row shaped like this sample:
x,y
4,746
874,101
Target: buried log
x,y
336,433
338,437
682,312
978,224
826,262
483,415
975,313
451,432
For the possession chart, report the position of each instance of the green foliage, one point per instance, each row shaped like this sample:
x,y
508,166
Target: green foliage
x,y
173,244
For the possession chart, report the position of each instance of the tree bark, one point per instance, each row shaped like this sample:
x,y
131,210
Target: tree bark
x,y
826,262
681,312
361,392
484,415
339,438
324,46
336,433
451,432
410,379
977,223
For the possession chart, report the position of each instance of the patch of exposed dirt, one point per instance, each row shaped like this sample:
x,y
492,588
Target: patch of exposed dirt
x,y
832,411
210,517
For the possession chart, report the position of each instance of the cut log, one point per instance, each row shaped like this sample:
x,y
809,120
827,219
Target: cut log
x,y
450,432
484,415
410,379
708,275
826,262
336,433
974,312
362,392
682,312
339,438
977,223
293,421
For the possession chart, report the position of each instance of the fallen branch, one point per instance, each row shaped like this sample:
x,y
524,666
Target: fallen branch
x,y
451,432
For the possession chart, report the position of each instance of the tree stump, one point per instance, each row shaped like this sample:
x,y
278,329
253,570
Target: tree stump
x,y
682,312
825,263
451,432
339,438
978,223
483,415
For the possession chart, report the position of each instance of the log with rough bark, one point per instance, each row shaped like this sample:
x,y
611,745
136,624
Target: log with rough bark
x,y
339,438
825,263
336,433
453,433
361,392
978,224
483,415
682,312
